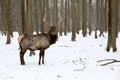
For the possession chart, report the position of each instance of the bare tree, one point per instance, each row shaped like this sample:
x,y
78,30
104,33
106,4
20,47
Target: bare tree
x,y
42,12
8,19
4,12
47,13
29,17
97,18
78,16
84,30
102,18
106,15
55,12
73,20
66,18
112,25
90,16
61,12
20,17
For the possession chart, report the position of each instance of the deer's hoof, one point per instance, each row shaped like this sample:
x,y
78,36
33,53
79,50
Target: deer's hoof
x,y
22,63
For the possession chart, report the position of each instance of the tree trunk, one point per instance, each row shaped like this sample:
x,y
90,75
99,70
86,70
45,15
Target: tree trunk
x,y
42,13
20,20
47,14
55,12
66,18
8,4
24,22
4,20
73,20
97,19
78,16
29,17
102,26
112,26
61,28
84,30
90,16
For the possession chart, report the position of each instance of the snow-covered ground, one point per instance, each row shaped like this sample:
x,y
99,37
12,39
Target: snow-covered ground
x,y
64,60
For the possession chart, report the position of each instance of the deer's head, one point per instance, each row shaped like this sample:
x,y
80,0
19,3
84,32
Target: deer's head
x,y
53,29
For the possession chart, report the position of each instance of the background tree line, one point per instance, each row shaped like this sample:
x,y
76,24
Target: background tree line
x,y
26,16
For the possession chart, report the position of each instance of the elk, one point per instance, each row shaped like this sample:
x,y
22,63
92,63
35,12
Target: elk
x,y
38,42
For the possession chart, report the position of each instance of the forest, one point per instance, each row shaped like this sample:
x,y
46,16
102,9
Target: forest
x,y
87,46
26,16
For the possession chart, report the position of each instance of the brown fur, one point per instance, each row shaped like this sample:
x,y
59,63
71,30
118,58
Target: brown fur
x,y
20,38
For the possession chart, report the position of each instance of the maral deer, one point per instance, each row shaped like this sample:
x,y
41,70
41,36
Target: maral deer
x,y
38,42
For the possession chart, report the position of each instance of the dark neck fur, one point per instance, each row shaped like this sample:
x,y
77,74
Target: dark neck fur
x,y
53,38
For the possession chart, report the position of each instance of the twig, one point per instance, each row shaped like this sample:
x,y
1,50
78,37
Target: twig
x,y
106,60
111,61
74,62
80,69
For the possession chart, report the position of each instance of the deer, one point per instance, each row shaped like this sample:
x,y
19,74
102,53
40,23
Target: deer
x,y
39,42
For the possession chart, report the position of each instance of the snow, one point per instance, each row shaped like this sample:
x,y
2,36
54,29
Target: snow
x,y
65,60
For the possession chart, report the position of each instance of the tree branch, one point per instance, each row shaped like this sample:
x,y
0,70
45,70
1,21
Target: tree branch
x,y
111,61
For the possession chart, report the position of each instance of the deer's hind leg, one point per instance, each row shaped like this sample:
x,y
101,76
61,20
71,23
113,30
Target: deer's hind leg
x,y
22,53
32,53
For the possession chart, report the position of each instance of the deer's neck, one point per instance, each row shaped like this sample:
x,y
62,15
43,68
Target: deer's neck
x,y
53,38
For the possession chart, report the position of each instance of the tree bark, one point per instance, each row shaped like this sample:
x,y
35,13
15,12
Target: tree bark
x,y
84,30
112,26
8,15
4,20
66,17
29,17
73,20
97,19
55,12
102,17
90,16
20,18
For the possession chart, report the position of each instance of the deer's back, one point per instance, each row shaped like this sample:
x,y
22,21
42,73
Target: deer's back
x,y
35,42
